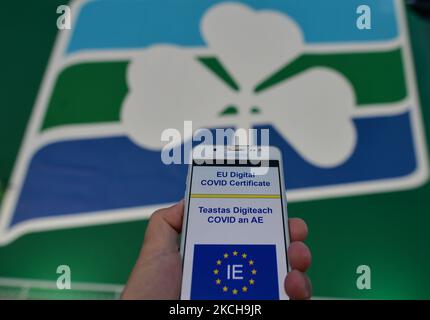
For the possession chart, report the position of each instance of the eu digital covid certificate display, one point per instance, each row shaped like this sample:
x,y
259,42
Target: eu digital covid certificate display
x,y
235,233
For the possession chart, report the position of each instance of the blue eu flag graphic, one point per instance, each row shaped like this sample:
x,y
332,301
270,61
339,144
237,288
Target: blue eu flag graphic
x,y
234,272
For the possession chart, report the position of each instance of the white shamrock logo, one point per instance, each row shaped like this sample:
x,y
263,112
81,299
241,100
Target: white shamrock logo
x,y
215,87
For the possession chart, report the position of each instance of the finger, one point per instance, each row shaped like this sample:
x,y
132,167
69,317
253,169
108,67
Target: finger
x,y
162,233
172,215
298,229
297,285
299,256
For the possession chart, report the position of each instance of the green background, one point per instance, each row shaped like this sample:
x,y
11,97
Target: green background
x,y
389,231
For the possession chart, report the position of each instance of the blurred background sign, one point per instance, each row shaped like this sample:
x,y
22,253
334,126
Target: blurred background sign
x,y
83,111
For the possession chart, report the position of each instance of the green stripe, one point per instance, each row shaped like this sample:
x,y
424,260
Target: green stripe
x,y
94,92
215,65
87,93
377,77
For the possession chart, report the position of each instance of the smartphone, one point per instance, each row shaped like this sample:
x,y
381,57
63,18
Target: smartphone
x,y
235,230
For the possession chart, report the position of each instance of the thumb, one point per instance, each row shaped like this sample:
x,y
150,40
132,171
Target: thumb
x,y
163,230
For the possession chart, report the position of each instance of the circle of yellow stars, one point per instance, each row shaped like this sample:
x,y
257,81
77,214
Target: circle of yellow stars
x,y
250,282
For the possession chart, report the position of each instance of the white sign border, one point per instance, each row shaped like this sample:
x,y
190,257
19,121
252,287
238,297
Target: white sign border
x,y
57,62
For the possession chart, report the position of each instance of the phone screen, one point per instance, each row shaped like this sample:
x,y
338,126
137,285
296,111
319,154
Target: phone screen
x,y
235,233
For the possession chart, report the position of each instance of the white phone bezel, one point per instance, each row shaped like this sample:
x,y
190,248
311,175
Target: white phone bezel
x,y
235,152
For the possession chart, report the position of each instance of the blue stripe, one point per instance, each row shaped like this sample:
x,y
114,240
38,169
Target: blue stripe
x,y
72,177
120,24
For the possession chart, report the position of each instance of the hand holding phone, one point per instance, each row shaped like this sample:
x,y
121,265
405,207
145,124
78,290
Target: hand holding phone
x,y
158,271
